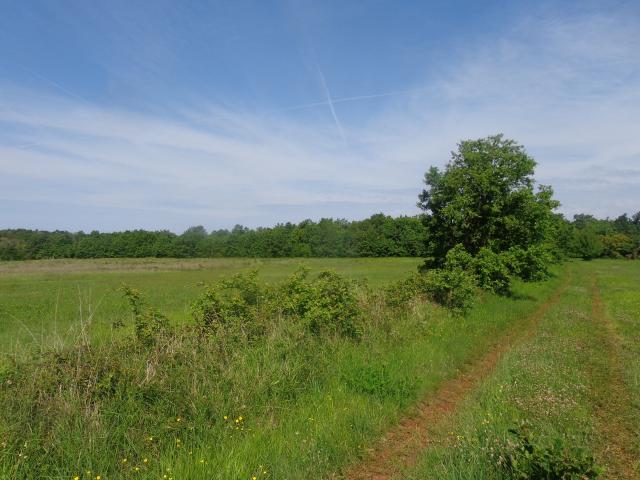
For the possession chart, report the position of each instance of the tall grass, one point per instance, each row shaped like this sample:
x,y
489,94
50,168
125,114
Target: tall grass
x,y
287,403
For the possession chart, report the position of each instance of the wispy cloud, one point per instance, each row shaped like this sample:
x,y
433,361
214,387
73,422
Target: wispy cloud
x,y
567,89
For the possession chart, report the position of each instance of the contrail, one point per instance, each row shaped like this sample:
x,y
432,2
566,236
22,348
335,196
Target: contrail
x,y
330,103
55,84
352,99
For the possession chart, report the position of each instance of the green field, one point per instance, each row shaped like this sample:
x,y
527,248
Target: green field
x,y
576,383
44,303
289,405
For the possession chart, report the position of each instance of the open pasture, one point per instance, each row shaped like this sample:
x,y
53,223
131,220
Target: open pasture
x,y
420,394
45,303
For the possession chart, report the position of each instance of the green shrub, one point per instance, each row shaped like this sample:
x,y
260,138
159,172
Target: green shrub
x,y
332,307
295,294
525,458
231,307
617,245
245,285
458,258
453,288
532,264
148,322
587,244
403,292
453,285
491,272
238,306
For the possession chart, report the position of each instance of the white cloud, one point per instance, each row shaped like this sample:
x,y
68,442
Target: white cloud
x,y
568,90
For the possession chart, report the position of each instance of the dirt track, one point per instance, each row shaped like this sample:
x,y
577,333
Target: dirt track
x,y
401,446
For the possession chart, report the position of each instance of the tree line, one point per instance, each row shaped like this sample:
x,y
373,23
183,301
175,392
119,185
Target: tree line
x,y
377,236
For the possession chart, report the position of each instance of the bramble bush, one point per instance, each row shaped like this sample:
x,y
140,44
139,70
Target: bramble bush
x,y
293,296
148,322
454,288
453,285
401,293
326,305
333,307
231,307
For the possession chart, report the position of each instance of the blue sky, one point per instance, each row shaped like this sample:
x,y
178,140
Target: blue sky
x,y
132,114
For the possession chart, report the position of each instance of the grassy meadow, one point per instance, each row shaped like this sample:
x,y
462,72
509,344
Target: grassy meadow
x,y
46,303
290,403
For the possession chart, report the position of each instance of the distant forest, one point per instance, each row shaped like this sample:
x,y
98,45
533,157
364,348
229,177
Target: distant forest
x,y
377,236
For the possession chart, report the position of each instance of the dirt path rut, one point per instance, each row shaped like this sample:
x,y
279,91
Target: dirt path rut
x,y
401,446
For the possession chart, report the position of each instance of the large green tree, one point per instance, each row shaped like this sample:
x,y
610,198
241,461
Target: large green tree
x,y
486,197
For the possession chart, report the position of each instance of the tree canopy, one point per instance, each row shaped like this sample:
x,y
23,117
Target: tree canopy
x,y
486,197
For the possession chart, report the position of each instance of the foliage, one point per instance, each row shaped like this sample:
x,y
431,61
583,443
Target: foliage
x,y
617,245
326,305
485,198
453,285
401,293
377,236
527,458
332,307
295,294
148,322
587,244
588,237
451,288
230,307
531,264
491,271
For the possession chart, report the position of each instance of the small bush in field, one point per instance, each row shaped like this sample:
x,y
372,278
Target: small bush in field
x,y
492,272
523,457
401,293
453,288
332,306
531,264
453,285
148,322
238,305
231,305
245,285
294,295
